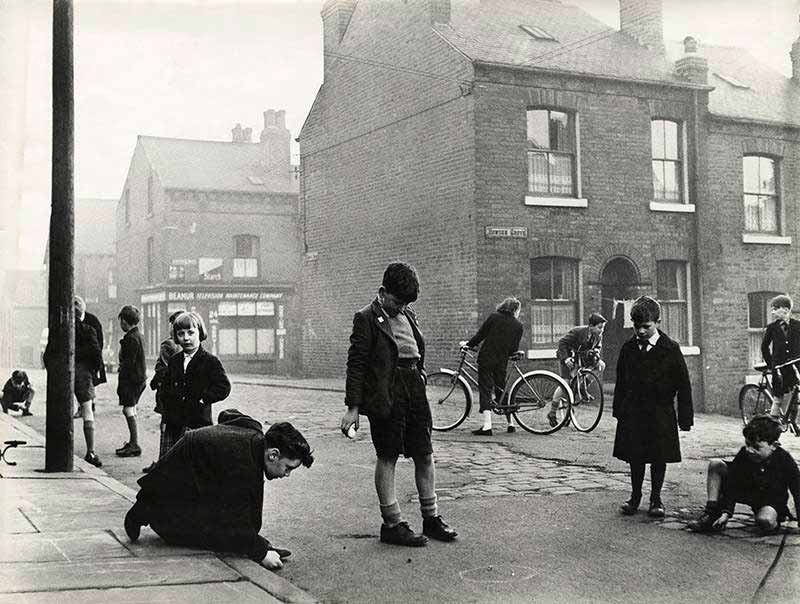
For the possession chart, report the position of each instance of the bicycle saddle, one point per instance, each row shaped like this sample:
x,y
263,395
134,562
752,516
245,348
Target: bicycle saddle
x,y
517,356
760,367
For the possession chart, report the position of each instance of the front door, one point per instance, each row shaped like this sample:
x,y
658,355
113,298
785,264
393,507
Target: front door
x,y
619,284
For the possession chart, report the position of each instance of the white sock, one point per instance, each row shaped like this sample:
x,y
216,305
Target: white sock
x,y
510,419
487,420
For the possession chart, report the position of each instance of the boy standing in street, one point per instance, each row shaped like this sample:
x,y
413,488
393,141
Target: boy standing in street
x,y
781,343
132,376
386,382
651,371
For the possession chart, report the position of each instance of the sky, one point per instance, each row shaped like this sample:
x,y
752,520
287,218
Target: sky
x,y
194,68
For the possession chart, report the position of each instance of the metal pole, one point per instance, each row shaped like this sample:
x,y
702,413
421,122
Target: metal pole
x,y
61,316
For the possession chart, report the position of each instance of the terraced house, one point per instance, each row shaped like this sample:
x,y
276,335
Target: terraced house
x,y
525,148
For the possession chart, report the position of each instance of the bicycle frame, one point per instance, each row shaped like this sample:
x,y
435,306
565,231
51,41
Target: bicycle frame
x,y
462,371
790,415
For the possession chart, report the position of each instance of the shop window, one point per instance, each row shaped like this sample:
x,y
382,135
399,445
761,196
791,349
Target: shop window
x,y
246,328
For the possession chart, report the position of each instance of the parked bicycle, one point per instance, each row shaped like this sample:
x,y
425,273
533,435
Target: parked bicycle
x,y
587,397
757,399
527,396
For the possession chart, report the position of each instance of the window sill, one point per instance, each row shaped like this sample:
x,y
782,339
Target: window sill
x,y
556,202
690,351
662,206
542,353
766,239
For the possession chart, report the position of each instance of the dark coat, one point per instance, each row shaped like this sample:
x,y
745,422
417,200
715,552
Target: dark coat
x,y
372,359
777,348
187,397
500,334
132,368
93,322
88,354
208,490
168,348
579,339
644,402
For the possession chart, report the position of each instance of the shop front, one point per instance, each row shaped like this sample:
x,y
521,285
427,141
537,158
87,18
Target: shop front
x,y
247,327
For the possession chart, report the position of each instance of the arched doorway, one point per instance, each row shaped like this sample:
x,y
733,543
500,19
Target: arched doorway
x,y
619,281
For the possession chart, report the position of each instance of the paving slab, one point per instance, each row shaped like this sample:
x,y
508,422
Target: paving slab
x,y
50,576
240,592
55,547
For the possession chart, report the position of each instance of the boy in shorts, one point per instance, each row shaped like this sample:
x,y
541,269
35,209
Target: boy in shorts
x,y
761,475
781,343
18,390
386,382
132,377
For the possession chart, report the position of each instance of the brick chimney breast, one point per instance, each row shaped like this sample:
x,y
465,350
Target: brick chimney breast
x,y
691,67
643,20
275,139
237,134
336,15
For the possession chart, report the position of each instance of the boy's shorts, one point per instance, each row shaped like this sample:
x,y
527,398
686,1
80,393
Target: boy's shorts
x,y
407,430
754,501
129,394
84,387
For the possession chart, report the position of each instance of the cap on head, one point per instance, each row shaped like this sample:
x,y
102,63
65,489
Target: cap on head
x,y
596,319
781,301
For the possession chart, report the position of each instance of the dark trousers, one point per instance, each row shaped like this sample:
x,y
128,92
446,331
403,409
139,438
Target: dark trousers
x,y
491,380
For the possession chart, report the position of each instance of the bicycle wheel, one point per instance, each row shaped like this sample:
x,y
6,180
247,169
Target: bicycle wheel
x,y
753,401
531,401
449,399
587,406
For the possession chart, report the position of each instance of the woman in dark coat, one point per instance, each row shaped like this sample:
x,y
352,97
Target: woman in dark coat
x,y
651,371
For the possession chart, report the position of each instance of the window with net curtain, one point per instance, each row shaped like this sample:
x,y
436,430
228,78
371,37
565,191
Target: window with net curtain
x,y
554,298
666,151
671,290
759,316
551,153
245,261
761,200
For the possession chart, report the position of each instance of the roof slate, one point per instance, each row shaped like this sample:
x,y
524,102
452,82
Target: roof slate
x,y
212,165
490,32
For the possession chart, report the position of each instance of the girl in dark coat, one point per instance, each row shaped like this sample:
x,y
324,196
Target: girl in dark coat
x,y
500,334
651,371
195,380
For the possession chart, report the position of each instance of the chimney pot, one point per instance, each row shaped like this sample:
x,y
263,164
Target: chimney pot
x,y
689,45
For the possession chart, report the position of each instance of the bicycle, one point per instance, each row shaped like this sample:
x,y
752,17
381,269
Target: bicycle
x,y
587,393
757,399
528,399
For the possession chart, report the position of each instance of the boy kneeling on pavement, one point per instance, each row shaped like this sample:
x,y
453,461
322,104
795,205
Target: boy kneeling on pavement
x,y
208,490
761,476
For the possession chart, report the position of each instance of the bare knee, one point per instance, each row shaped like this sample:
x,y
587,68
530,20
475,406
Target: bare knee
x,y
717,467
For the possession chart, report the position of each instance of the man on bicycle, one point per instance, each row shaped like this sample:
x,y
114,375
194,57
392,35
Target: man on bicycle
x,y
781,343
583,340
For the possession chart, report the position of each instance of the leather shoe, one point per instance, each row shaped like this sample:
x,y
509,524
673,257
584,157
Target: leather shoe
x,y
129,451
656,510
133,525
401,534
149,468
435,528
629,508
482,432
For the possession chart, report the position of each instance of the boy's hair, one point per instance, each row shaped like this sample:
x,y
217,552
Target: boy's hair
x,y
186,320
288,440
175,315
130,314
781,301
509,305
596,319
400,280
762,427
80,306
645,309
18,376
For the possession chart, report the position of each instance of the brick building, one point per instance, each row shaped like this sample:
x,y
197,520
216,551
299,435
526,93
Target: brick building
x,y
213,226
525,148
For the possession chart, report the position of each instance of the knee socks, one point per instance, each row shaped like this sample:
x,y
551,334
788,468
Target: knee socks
x,y
428,506
88,435
657,473
391,514
637,478
134,439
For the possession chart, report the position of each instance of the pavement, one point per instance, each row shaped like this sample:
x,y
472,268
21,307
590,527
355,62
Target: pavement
x,y
536,517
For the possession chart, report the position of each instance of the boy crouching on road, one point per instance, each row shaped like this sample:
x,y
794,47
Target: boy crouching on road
x,y
761,476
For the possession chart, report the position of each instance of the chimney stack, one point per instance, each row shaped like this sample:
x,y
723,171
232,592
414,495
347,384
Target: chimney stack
x,y
335,19
440,11
795,56
643,20
691,67
241,135
276,140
